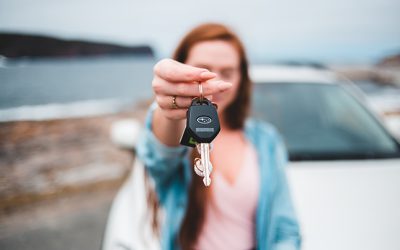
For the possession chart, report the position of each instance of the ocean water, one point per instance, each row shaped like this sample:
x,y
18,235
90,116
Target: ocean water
x,y
53,88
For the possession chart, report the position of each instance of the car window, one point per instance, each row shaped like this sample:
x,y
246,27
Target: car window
x,y
322,121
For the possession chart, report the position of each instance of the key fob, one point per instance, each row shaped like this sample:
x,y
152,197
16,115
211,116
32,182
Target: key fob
x,y
202,123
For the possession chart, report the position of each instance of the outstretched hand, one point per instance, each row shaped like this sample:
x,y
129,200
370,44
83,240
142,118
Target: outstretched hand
x,y
175,85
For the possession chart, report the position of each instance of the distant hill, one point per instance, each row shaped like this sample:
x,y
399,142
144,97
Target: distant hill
x,y
390,61
35,46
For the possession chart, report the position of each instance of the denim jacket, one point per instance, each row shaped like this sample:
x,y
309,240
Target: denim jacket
x,y
276,224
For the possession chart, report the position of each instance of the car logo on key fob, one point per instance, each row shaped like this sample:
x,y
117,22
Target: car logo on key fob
x,y
204,120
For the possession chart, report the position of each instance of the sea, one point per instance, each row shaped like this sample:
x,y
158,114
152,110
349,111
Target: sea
x,y
40,89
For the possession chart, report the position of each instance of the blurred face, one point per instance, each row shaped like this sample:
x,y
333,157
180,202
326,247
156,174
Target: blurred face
x,y
222,58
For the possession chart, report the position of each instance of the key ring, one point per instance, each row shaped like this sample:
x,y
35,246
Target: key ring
x,y
201,91
173,104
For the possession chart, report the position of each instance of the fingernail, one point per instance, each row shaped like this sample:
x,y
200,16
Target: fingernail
x,y
207,75
224,85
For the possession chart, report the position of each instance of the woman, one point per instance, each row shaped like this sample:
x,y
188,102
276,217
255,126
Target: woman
x,y
248,205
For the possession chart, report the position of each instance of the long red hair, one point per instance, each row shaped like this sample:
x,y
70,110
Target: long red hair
x,y
234,116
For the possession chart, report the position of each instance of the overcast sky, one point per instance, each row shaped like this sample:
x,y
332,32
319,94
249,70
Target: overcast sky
x,y
355,31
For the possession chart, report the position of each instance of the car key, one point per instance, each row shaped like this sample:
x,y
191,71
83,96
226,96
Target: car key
x,y
202,126
199,169
205,161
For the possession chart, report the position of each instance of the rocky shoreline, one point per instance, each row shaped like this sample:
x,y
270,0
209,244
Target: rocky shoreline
x,y
42,160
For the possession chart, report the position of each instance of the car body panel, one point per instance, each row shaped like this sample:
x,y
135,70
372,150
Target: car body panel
x,y
347,205
275,73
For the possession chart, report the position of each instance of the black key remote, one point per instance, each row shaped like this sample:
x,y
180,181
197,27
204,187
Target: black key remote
x,y
202,123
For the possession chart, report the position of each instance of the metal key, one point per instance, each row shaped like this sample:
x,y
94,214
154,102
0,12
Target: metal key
x,y
205,161
198,167
202,126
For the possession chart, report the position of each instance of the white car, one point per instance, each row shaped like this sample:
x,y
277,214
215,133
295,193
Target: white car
x,y
344,169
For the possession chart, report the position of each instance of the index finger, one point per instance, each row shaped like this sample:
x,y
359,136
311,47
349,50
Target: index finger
x,y
173,71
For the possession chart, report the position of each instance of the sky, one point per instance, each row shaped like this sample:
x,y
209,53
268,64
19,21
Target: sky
x,y
330,31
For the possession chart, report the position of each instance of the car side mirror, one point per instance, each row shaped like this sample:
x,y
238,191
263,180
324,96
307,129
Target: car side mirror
x,y
125,133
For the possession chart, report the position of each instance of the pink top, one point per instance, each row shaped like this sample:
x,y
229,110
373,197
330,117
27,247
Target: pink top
x,y
230,214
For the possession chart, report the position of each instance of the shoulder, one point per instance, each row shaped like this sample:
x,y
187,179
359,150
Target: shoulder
x,y
266,138
259,128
